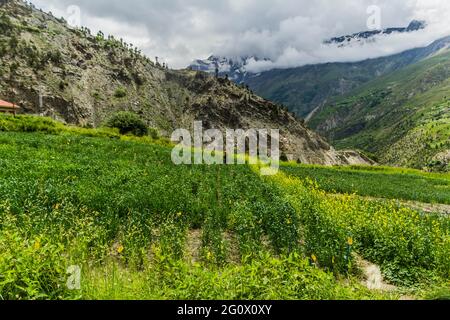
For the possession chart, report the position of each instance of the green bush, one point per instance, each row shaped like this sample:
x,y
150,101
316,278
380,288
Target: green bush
x,y
154,134
120,92
266,277
128,122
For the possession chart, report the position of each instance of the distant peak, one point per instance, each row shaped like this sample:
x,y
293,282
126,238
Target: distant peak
x,y
416,25
233,67
413,26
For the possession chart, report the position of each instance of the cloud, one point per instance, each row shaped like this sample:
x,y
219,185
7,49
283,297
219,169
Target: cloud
x,y
288,32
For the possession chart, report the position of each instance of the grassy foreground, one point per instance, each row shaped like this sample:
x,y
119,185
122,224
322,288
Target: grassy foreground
x,y
142,228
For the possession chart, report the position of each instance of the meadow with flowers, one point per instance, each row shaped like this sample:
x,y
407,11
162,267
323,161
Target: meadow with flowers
x,y
140,227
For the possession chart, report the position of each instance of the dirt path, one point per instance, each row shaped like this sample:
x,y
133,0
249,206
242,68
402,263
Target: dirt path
x,y
311,114
428,207
373,278
193,246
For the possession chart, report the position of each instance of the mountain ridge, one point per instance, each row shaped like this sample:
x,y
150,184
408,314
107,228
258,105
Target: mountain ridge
x,y
414,25
235,68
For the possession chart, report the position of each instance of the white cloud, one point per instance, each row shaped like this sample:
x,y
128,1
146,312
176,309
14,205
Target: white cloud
x,y
289,32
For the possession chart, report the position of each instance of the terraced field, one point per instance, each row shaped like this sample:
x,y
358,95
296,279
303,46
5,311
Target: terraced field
x,y
379,182
140,227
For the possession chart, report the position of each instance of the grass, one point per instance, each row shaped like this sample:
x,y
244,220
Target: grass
x,y
411,247
118,208
22,123
379,182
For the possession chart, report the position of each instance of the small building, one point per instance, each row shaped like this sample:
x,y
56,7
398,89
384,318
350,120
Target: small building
x,y
7,107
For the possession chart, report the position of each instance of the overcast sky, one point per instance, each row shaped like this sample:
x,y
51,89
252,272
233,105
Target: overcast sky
x,y
289,32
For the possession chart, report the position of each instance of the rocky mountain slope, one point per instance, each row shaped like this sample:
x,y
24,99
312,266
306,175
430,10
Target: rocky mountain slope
x,y
404,117
51,69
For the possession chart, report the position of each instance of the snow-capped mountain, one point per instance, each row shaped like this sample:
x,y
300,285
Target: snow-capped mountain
x,y
236,67
233,67
361,37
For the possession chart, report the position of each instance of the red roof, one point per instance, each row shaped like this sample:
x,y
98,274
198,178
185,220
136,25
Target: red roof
x,y
6,104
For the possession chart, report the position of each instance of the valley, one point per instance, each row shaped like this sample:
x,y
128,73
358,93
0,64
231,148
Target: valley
x,y
388,116
378,106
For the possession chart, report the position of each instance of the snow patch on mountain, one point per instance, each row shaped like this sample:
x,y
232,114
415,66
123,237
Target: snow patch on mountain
x,y
369,36
233,67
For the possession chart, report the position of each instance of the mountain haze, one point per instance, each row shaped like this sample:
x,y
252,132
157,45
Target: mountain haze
x,y
306,88
303,89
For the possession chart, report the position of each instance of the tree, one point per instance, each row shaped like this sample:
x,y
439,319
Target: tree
x,y
128,122
100,36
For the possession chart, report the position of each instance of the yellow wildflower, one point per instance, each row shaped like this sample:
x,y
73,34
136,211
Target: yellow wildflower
x,y
350,241
120,249
37,244
314,258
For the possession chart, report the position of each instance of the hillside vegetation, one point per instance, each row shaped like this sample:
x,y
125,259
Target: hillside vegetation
x,y
143,228
403,118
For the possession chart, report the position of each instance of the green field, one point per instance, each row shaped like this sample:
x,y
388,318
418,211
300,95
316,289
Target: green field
x,y
379,182
142,228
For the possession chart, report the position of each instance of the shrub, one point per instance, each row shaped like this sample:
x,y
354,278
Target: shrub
x,y
120,92
6,26
154,134
128,122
